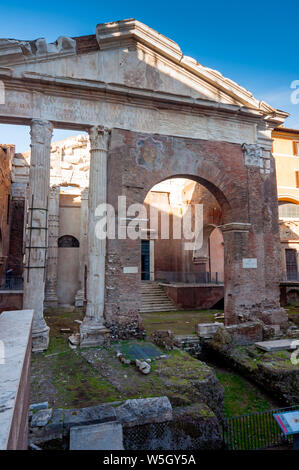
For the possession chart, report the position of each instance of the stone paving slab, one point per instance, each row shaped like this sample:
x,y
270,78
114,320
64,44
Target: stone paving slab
x,y
89,415
103,436
144,411
276,345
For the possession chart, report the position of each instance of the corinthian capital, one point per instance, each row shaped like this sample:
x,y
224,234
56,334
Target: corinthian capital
x,y
99,137
41,132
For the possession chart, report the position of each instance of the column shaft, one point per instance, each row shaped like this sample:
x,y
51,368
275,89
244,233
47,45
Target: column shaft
x,y
52,256
79,299
93,331
36,230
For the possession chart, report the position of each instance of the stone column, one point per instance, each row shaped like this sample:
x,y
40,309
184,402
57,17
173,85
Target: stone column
x,y
36,233
52,255
92,329
83,246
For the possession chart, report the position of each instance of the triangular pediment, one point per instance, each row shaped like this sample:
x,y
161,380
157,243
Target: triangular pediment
x,y
128,53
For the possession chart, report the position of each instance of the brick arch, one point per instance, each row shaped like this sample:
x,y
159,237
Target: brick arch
x,y
143,160
247,198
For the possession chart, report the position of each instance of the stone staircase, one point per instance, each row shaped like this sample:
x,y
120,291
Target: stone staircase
x,y
154,298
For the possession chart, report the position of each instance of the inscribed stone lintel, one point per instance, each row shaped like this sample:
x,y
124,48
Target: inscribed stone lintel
x,y
249,263
130,270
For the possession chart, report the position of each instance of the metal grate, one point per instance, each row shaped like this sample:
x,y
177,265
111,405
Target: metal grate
x,y
146,437
255,431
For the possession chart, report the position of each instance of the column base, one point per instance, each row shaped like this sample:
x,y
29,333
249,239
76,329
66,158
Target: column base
x,y
40,339
48,303
94,336
79,298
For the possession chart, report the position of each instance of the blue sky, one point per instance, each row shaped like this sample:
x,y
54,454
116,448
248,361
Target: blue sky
x,y
253,43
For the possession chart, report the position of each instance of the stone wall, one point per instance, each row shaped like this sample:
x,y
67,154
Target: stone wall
x,y
6,156
248,201
15,336
195,296
11,300
16,251
170,254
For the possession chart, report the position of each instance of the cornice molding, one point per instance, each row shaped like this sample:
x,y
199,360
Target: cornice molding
x,y
118,93
133,33
110,35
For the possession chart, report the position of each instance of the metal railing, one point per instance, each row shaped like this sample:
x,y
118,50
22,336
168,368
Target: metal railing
x,y
290,276
255,431
184,277
12,283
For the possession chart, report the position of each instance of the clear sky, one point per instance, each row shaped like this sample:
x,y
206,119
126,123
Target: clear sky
x,y
254,43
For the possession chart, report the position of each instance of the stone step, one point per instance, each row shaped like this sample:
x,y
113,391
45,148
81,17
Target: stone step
x,y
154,298
162,308
148,304
157,305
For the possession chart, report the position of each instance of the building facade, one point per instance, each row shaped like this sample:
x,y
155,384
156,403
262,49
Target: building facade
x,y
286,155
152,114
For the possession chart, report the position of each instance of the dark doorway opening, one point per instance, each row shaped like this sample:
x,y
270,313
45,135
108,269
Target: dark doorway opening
x,y
145,260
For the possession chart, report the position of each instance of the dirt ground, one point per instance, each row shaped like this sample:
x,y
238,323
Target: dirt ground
x,y
75,378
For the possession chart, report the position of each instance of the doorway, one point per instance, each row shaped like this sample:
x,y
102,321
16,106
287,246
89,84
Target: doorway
x,y
145,260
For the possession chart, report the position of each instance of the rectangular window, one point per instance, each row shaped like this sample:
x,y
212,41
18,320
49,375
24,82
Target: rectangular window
x,y
297,178
291,264
296,148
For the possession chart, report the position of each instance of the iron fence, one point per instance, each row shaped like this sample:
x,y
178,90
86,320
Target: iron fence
x,y
255,431
12,283
290,276
183,277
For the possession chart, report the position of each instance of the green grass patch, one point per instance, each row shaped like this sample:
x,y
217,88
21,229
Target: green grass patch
x,y
180,322
240,396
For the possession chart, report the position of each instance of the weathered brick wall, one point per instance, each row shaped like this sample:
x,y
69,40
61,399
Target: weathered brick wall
x,y
11,300
15,257
138,161
6,154
195,297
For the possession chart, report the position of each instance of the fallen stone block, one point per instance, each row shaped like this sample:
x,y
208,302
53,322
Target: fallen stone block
x,y
52,430
39,406
207,330
74,339
277,345
163,339
89,415
41,418
144,411
103,436
143,367
246,333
